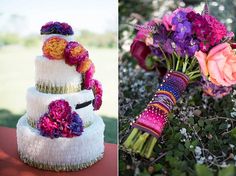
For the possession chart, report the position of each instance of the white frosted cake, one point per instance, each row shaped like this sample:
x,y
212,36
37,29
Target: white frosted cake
x,y
60,130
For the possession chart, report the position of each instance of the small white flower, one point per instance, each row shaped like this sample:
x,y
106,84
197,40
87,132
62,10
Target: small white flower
x,y
228,125
201,160
210,157
183,130
221,8
231,145
224,164
198,151
191,146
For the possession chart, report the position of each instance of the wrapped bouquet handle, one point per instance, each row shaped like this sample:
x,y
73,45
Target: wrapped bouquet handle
x,y
151,122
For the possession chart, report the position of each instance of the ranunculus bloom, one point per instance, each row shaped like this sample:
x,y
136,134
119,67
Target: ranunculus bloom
x,y
97,87
59,110
97,102
88,77
219,64
84,65
53,48
140,51
75,53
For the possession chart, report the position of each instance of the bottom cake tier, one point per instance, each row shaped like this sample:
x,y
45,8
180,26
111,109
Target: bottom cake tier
x,y
60,154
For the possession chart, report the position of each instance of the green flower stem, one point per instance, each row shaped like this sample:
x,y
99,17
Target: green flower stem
x,y
173,60
195,76
185,63
177,64
167,60
192,73
138,145
192,64
149,149
129,140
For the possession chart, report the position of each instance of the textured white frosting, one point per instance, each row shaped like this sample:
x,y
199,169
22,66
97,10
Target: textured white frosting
x,y
66,37
56,72
59,151
37,103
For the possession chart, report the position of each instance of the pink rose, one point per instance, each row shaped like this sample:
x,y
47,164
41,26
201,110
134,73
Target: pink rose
x,y
219,64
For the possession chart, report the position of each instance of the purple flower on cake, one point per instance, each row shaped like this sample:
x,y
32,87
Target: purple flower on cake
x,y
88,77
56,28
59,121
59,110
76,125
75,53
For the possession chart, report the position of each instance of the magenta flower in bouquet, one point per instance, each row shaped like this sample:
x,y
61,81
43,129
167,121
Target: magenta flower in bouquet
x,y
191,46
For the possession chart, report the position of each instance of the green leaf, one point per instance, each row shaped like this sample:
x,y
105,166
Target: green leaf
x,y
201,123
229,171
203,170
158,167
233,132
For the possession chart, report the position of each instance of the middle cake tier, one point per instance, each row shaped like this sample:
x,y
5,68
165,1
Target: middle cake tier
x,y
37,104
55,76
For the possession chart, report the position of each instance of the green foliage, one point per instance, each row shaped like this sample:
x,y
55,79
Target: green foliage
x,y
229,171
203,170
9,39
105,40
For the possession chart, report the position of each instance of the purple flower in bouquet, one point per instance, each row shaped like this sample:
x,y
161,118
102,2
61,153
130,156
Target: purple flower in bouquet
x,y
59,110
76,125
75,53
168,18
48,127
88,77
56,28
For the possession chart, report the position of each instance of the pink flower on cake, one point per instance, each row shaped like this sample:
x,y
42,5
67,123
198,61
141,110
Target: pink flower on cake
x,y
75,53
60,121
219,64
59,109
97,102
84,65
97,90
88,81
53,48
97,87
48,127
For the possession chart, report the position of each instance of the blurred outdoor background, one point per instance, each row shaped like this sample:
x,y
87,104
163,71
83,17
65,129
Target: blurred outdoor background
x,y
95,26
200,137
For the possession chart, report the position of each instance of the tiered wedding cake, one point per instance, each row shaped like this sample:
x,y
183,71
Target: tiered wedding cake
x,y
60,131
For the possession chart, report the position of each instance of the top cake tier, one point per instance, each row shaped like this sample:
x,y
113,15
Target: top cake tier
x,y
65,66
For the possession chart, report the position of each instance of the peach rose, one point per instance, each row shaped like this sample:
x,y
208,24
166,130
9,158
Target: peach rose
x,y
219,64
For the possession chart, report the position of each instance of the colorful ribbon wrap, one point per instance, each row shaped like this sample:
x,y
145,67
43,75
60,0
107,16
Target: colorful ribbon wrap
x,y
153,119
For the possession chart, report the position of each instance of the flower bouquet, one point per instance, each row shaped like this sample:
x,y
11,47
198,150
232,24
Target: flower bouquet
x,y
185,46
